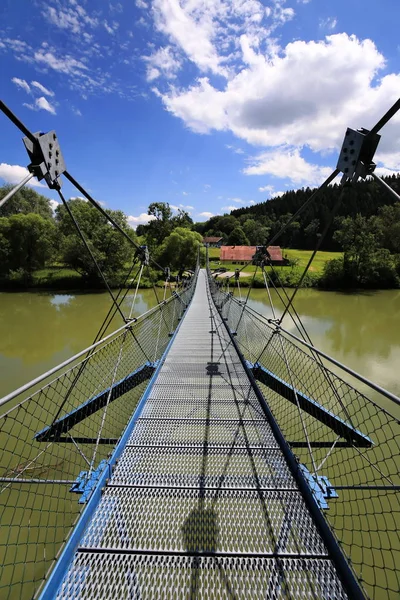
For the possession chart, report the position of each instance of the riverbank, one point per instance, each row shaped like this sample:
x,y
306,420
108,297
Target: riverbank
x,y
59,278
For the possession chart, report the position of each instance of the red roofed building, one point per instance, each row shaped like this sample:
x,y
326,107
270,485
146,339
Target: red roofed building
x,y
242,254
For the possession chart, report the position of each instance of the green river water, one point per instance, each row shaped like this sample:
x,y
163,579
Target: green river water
x,y
39,330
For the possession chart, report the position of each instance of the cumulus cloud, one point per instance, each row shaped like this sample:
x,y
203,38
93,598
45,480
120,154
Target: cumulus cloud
x,y
13,174
54,204
141,219
287,163
266,188
206,214
303,95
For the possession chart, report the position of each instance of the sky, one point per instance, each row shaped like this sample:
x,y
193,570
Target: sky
x,y
209,105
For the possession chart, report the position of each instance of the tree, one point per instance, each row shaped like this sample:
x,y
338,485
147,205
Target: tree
x,y
179,250
26,243
388,224
25,201
111,250
256,233
238,237
161,226
182,219
359,241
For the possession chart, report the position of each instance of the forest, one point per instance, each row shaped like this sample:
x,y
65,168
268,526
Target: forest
x,y
39,247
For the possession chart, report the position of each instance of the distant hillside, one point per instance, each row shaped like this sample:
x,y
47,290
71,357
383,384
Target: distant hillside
x,y
265,219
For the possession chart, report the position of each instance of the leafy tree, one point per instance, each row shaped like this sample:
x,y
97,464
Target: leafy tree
x,y
358,238
388,224
25,201
109,247
161,226
182,219
238,237
256,233
179,249
26,243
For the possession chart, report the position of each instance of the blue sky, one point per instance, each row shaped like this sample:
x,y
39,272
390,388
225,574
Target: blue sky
x,y
205,104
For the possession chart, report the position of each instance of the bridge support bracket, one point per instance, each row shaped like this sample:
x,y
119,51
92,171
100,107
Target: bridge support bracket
x,y
84,484
320,486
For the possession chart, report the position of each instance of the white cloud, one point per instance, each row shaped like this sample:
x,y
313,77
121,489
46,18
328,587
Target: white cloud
x,y
185,194
66,64
162,62
45,105
41,104
21,83
237,200
206,214
277,194
142,219
228,208
328,85
54,204
328,23
15,173
287,163
234,149
76,111
73,18
42,89
141,4
266,188
190,29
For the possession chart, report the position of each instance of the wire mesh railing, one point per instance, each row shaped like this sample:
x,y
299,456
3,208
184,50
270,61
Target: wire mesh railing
x,y
58,434
347,442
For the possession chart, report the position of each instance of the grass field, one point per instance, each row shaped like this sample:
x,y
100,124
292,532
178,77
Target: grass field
x,y
302,256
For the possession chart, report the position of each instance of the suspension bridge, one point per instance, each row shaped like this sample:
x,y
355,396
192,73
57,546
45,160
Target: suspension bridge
x,y
201,450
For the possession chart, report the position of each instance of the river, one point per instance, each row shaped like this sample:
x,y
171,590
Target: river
x,y
362,330
39,330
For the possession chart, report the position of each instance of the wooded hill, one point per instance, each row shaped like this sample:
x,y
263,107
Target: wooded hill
x,y
364,198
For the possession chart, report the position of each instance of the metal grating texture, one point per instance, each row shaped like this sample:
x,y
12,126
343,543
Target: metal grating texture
x,y
95,576
201,502
365,515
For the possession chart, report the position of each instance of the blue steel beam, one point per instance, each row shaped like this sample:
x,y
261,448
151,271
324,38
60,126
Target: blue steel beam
x,y
328,418
55,430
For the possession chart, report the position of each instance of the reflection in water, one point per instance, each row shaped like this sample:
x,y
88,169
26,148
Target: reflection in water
x,y
60,299
39,330
361,330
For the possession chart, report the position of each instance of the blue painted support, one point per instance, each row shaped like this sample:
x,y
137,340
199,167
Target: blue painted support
x,y
286,390
54,431
320,486
84,486
60,568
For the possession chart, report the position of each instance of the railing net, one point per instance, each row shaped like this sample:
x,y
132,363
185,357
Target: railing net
x,y
37,508
366,514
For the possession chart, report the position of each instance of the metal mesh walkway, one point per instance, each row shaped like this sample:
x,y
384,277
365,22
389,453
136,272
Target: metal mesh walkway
x,y
202,503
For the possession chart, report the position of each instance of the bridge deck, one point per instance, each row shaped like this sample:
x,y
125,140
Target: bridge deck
x,y
201,503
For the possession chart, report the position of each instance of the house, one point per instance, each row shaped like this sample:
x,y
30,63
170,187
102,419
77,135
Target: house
x,y
212,242
242,254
